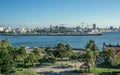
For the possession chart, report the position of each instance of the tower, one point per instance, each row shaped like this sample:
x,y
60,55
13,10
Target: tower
x,y
94,26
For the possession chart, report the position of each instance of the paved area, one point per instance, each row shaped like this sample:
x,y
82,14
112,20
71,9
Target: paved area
x,y
58,70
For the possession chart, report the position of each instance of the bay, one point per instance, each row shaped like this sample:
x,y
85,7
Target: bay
x,y
75,41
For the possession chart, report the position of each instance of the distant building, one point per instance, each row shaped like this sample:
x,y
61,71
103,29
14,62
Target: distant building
x,y
20,30
78,29
94,26
111,28
51,27
1,29
8,29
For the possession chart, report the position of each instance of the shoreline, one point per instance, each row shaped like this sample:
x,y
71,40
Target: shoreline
x,y
10,34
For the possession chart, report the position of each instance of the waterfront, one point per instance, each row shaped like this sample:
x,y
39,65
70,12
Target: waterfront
x,y
74,41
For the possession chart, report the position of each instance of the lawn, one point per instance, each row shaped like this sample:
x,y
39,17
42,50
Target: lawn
x,y
101,70
25,72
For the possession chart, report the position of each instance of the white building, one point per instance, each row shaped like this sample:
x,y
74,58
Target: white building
x,y
1,29
8,29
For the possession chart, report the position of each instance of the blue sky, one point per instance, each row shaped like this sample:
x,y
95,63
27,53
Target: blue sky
x,y
42,13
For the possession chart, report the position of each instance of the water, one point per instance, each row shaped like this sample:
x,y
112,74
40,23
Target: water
x,y
74,41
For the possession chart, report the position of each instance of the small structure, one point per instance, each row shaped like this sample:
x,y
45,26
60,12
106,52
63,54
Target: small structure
x,y
114,47
85,68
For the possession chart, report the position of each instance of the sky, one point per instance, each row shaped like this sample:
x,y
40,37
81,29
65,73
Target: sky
x,y
43,13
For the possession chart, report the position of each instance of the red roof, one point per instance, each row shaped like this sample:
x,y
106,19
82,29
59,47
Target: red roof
x,y
117,49
118,54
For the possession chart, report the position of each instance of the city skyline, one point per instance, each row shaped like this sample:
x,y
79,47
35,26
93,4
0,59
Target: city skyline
x,y
43,13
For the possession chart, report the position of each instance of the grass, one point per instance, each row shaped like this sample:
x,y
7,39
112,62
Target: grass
x,y
25,72
21,71
77,71
103,70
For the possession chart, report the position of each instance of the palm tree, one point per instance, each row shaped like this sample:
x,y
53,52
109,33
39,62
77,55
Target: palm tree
x,y
22,54
36,51
95,52
6,60
90,44
95,58
30,59
74,56
109,55
61,51
49,52
68,51
15,53
4,43
88,57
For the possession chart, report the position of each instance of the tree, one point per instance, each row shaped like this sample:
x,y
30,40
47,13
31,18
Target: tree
x,y
4,43
36,51
49,52
74,57
89,44
88,57
61,51
15,54
6,61
30,59
95,52
22,54
68,51
96,57
109,55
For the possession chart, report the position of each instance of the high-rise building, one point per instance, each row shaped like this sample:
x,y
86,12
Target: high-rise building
x,y
94,26
111,28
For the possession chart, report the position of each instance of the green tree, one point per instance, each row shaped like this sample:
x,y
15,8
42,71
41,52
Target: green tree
x,y
68,51
15,54
30,59
88,57
22,54
61,51
4,43
49,51
6,61
108,55
74,56
37,52
95,52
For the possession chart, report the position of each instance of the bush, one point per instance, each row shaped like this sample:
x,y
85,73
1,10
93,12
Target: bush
x,y
77,71
47,60
51,60
42,60
25,72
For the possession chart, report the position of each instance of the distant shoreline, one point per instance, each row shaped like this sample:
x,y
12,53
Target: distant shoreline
x,y
13,34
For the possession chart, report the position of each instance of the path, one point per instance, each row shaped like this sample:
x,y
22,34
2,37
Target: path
x,y
57,70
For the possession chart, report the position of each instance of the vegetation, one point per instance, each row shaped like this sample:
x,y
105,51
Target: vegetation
x,y
109,55
25,72
18,57
91,55
63,51
6,60
104,71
